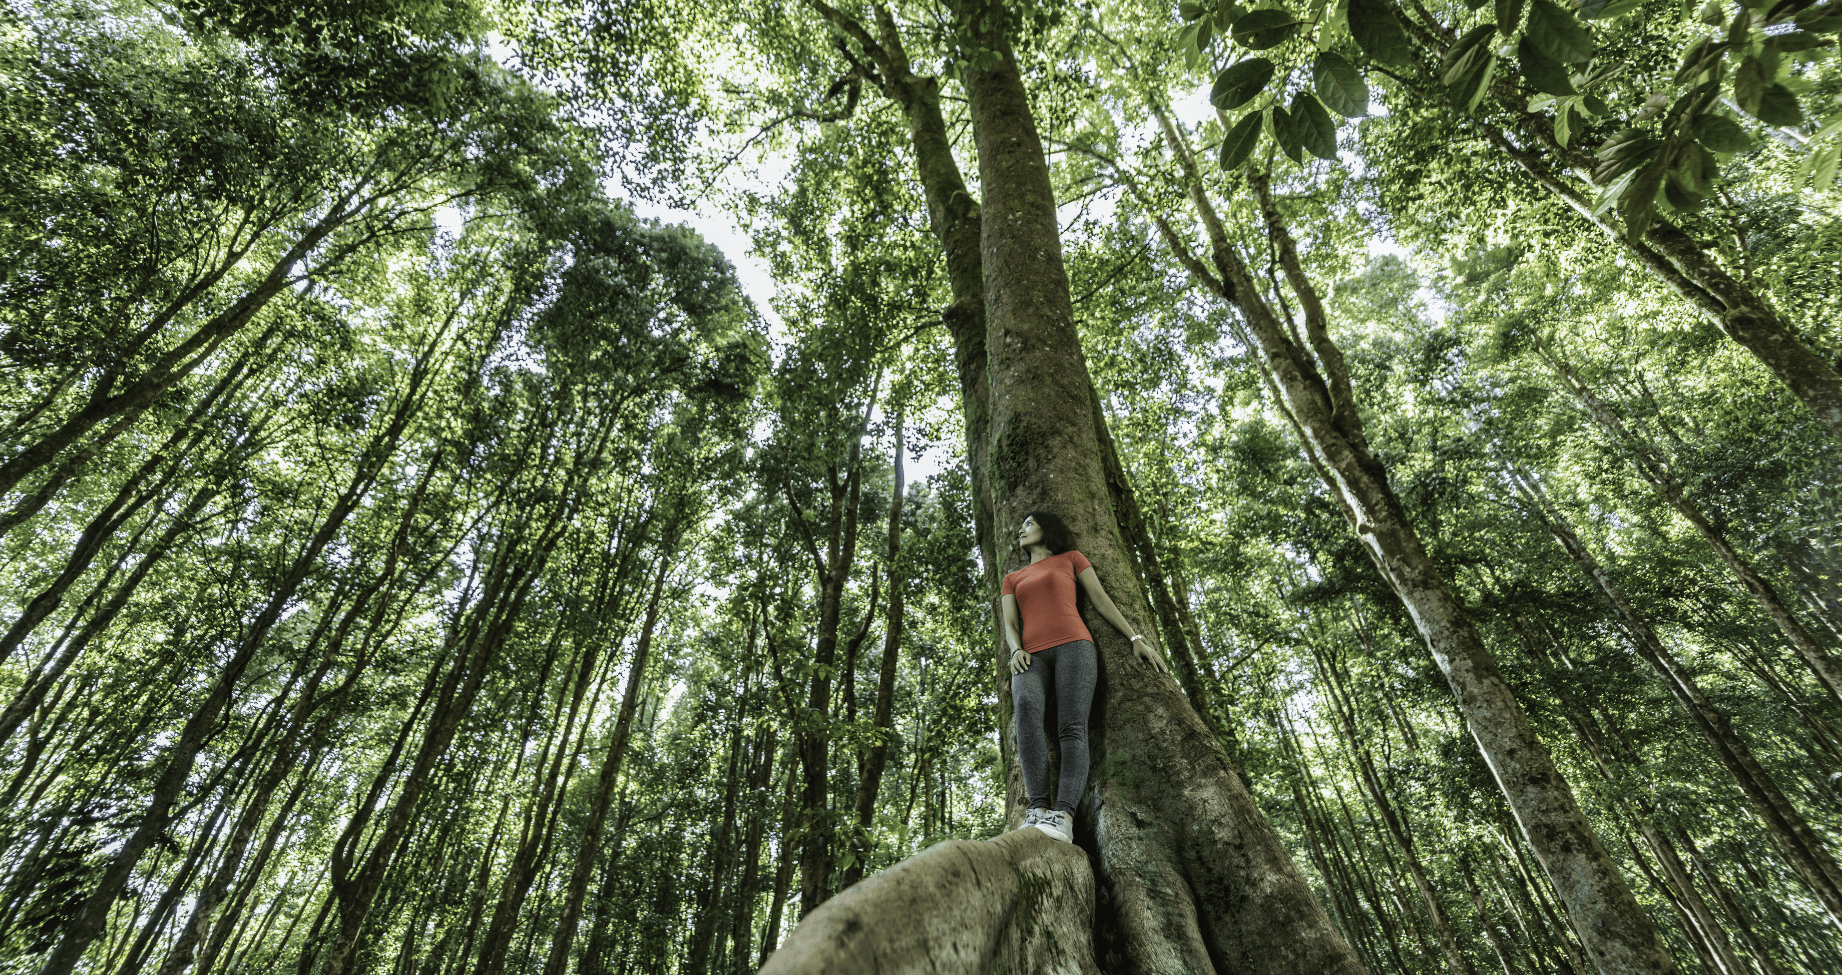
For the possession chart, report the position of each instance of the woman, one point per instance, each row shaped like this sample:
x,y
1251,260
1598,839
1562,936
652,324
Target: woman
x,y
1050,642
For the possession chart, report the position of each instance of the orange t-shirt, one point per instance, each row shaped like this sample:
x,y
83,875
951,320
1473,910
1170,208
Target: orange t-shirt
x,y
1046,600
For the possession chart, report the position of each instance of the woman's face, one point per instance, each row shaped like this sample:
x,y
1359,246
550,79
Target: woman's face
x,y
1030,534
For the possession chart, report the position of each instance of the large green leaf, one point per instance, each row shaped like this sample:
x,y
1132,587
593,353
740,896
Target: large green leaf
x,y
1749,85
1284,135
1470,89
1778,106
1258,30
1239,82
1822,20
1379,33
1509,15
1639,202
1313,125
1702,56
1556,33
1465,54
1340,85
1721,134
1543,73
1240,141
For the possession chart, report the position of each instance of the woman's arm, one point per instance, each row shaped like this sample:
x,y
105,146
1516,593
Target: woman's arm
x,y
1144,645
1013,624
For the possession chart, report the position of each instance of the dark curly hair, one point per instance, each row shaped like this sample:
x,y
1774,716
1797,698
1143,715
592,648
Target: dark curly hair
x,y
1055,531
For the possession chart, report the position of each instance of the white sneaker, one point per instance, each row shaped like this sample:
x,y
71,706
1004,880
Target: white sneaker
x,y
1032,817
1058,825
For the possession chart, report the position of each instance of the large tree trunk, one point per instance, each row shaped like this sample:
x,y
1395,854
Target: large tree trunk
x,y
1196,878
1020,904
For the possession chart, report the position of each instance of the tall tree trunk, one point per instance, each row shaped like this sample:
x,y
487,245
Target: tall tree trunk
x,y
197,729
569,916
1314,392
1663,481
1168,858
1807,853
1344,712
882,717
783,868
833,568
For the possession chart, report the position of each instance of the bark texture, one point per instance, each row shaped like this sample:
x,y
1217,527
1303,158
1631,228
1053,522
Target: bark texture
x,y
1195,878
1022,904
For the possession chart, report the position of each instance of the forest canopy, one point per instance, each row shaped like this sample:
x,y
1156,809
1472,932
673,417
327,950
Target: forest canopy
x,y
416,558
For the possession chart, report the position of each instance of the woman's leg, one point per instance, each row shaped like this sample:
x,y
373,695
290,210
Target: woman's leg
x,y
1075,672
1027,692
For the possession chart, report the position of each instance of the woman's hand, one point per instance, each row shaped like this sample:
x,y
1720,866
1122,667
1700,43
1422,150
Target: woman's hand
x,y
1148,654
1020,661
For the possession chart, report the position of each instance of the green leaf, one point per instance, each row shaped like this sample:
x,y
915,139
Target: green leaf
x,y
1821,20
1824,171
1721,134
1239,82
1778,106
1379,33
1189,11
1284,135
1702,56
1225,15
1465,54
1340,85
1543,73
1509,14
1240,141
1625,151
1563,123
1471,88
1640,198
1610,196
1557,34
1313,125
1784,9
1749,85
1612,10
1258,30
1205,32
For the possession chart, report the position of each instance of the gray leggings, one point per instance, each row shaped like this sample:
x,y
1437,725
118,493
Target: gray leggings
x,y
1071,666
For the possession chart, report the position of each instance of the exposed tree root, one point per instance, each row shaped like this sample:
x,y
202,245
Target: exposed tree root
x,y
1022,904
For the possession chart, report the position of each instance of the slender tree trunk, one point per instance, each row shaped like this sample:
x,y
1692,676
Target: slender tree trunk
x,y
882,718
1662,480
569,915
1807,853
783,870
192,737
1314,392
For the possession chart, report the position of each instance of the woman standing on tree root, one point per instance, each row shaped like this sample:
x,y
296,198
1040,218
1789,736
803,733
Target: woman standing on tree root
x,y
1051,632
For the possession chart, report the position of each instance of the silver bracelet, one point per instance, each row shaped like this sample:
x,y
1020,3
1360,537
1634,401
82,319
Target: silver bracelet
x,y
1136,637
